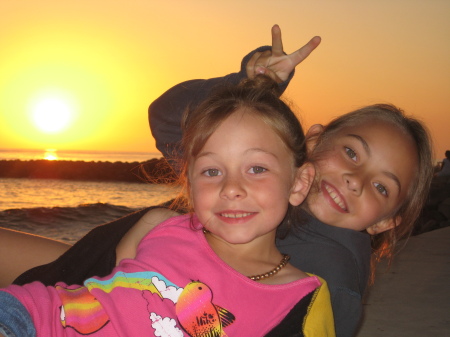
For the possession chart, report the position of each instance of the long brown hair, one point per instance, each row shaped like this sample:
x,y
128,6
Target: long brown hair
x,y
383,244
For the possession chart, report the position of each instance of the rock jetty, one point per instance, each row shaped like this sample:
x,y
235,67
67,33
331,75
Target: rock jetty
x,y
436,213
154,170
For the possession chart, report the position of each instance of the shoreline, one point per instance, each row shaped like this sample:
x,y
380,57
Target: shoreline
x,y
150,171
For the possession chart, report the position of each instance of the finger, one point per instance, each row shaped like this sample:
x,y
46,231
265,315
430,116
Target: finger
x,y
277,43
261,70
250,67
302,53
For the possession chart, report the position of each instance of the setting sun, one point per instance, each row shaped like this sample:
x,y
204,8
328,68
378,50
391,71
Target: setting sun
x,y
52,115
107,61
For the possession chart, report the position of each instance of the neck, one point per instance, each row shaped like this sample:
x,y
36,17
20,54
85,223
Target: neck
x,y
255,257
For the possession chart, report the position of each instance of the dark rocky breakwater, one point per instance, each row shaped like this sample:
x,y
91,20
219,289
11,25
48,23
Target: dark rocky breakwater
x,y
436,212
153,171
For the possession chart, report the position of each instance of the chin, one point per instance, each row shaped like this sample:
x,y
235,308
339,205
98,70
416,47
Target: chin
x,y
238,240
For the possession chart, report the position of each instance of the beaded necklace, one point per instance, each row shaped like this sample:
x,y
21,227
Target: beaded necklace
x,y
270,273
275,270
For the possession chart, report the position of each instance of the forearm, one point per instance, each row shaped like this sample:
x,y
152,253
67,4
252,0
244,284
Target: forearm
x,y
21,251
166,112
93,255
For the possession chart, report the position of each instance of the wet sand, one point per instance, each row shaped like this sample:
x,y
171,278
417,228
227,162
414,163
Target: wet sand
x,y
412,298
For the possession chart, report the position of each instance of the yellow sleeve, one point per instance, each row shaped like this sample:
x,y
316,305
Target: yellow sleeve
x,y
319,320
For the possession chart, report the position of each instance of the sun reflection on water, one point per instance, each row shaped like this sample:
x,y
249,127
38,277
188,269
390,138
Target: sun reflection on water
x,y
50,154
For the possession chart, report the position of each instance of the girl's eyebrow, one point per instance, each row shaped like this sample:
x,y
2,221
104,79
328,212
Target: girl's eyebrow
x,y
394,178
367,149
363,142
253,149
257,149
204,154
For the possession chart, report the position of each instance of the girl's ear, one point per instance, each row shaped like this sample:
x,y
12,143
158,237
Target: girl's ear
x,y
312,135
302,184
384,225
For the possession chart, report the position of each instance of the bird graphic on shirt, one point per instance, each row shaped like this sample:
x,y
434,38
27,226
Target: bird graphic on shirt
x,y
198,316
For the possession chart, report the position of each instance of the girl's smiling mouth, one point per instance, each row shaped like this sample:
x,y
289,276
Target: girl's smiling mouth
x,y
333,196
236,216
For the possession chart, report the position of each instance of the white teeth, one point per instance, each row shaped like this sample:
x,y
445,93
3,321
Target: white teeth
x,y
235,215
335,197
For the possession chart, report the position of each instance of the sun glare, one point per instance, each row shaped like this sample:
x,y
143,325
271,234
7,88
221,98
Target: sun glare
x,y
50,154
52,115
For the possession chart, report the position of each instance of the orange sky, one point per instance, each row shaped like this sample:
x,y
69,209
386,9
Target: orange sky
x,y
107,60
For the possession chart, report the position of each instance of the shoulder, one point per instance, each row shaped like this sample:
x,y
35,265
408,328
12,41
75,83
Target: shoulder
x,y
339,255
319,320
287,275
128,244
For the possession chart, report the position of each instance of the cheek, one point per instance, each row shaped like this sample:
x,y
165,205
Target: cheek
x,y
373,209
279,190
198,191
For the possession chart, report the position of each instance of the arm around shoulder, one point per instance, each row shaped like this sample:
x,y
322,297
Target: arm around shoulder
x,y
126,249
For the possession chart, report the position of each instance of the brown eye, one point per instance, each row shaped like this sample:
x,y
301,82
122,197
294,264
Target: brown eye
x,y
380,188
350,153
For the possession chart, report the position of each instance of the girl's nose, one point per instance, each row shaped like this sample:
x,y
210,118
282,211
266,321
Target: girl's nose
x,y
354,183
233,188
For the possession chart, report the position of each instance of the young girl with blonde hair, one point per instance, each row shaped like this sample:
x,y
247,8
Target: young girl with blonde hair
x,y
215,271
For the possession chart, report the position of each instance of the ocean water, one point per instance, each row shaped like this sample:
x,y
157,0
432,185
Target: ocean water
x,y
53,154
66,209
38,193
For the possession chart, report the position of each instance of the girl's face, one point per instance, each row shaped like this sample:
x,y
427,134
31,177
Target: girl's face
x,y
242,180
363,175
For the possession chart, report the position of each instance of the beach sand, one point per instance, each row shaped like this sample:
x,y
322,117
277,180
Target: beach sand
x,y
412,298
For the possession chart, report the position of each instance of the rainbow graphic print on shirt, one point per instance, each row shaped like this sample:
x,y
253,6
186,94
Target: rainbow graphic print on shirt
x,y
81,311
196,314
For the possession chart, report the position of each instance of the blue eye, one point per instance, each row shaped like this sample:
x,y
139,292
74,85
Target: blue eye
x,y
350,153
381,189
212,173
257,170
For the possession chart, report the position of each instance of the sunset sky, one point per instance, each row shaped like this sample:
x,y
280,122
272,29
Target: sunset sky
x,y
99,64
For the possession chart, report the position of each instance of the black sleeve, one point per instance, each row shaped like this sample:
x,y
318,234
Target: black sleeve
x,y
93,255
348,311
166,112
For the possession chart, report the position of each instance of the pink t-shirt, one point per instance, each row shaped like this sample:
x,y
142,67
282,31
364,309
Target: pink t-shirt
x,y
176,286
